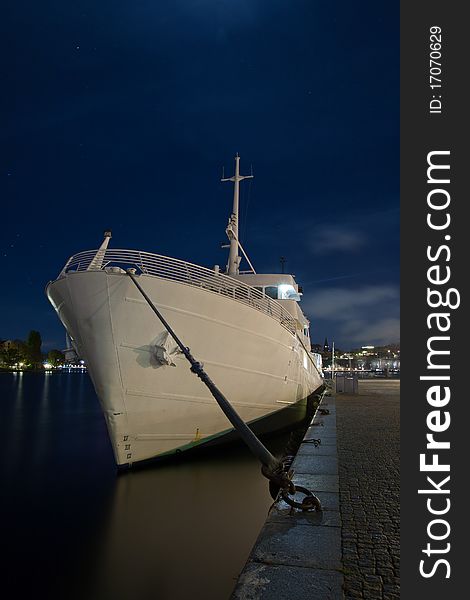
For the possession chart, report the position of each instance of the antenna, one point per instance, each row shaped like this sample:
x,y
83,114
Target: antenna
x,y
283,261
232,228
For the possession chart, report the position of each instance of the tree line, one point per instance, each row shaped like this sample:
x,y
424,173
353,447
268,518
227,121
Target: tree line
x,y
28,354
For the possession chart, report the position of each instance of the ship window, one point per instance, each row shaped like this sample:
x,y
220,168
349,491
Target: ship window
x,y
271,291
287,292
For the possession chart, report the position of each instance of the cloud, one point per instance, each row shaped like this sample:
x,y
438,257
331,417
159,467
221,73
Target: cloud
x,y
344,304
378,332
363,315
360,232
336,238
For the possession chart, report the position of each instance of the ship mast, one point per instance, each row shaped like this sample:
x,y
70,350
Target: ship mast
x,y
232,228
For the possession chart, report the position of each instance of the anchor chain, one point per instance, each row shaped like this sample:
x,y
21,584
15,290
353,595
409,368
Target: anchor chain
x,y
279,476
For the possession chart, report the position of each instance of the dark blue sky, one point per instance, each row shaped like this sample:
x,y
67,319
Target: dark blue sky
x,y
120,114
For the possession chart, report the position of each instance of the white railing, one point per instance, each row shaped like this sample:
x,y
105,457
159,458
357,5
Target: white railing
x,y
184,273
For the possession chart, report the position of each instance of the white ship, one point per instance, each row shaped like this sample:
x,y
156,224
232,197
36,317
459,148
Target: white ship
x,y
246,328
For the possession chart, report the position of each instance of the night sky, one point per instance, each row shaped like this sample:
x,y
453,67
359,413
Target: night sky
x,y
120,114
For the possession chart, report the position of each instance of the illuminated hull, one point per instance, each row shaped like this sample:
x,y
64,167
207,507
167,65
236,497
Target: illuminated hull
x,y
152,409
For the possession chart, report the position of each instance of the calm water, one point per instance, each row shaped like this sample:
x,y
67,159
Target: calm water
x,y
72,528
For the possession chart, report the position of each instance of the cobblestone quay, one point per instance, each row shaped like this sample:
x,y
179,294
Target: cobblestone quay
x,y
368,444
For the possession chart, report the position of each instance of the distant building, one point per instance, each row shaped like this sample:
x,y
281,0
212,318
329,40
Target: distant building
x,y
9,344
326,346
70,355
10,351
69,352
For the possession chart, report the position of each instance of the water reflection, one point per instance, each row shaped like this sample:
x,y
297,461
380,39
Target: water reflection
x,y
39,442
173,531
12,389
184,528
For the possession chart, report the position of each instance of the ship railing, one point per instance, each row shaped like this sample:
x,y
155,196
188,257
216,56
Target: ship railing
x,y
182,272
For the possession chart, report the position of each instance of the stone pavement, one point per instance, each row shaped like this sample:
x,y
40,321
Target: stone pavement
x,y
298,554
351,549
369,485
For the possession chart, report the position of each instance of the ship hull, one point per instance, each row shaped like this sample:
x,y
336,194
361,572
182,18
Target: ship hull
x,y
152,409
